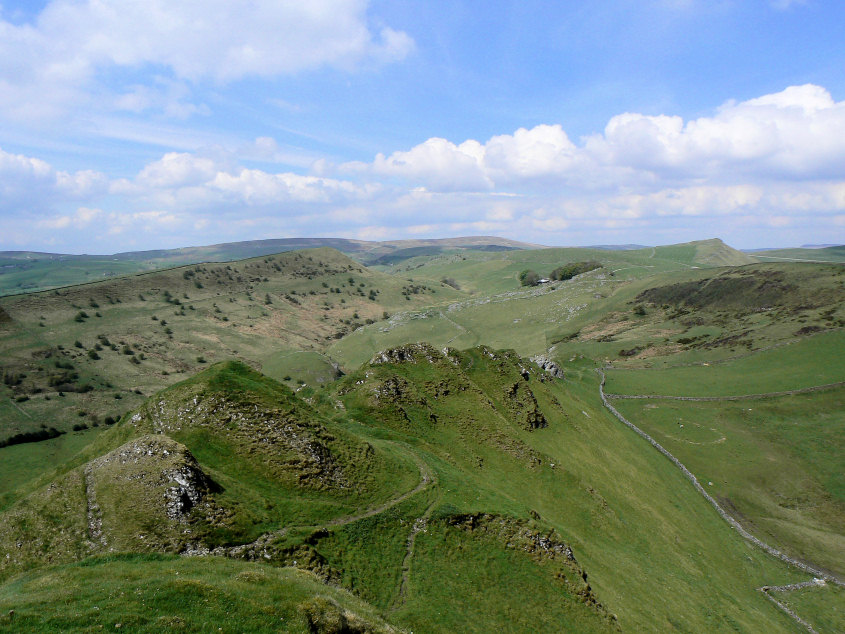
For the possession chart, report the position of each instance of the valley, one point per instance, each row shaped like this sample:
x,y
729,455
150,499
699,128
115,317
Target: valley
x,y
423,444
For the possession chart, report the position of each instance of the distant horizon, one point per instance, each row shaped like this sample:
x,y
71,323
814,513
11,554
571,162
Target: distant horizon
x,y
388,240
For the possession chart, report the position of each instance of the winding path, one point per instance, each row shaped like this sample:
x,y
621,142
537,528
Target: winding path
x,y
819,574
419,526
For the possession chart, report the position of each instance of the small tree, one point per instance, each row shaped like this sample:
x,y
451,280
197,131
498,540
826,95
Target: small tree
x,y
529,278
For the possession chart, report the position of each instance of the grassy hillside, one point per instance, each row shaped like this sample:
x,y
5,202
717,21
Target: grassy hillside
x,y
491,497
154,593
448,485
26,271
78,355
778,462
826,254
627,312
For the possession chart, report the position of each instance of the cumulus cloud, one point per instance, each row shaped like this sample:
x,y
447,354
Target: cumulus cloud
x,y
27,182
798,133
70,42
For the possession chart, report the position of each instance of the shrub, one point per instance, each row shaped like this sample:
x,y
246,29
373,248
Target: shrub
x,y
529,278
568,271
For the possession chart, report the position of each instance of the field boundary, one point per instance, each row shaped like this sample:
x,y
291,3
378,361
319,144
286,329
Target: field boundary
x,y
817,573
741,397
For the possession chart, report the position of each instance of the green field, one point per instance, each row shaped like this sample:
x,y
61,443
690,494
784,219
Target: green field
x,y
777,461
814,361
827,254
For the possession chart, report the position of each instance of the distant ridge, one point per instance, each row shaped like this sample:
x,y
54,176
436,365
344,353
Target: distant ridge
x,y
618,247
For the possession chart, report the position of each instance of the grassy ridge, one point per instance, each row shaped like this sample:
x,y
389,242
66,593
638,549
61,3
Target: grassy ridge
x,y
521,470
423,477
151,593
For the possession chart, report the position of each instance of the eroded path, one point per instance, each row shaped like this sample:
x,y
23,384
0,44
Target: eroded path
x,y
820,577
418,527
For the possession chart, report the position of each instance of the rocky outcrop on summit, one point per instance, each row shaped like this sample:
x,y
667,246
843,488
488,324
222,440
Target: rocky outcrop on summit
x,y
138,497
157,461
144,492
543,545
291,445
409,353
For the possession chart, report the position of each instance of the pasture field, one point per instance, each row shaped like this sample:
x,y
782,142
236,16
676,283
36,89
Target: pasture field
x,y
804,363
21,464
827,254
777,463
823,608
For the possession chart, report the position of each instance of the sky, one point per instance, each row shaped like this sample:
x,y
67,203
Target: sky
x,y
143,124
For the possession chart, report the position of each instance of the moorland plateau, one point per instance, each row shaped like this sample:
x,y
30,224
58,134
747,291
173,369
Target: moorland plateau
x,y
341,436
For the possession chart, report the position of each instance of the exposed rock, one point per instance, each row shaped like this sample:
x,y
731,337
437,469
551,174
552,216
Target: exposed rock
x,y
152,462
409,353
294,448
544,546
548,366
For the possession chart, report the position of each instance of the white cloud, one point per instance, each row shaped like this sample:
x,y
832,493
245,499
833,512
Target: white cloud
x,y
53,64
798,133
28,183
439,163
753,166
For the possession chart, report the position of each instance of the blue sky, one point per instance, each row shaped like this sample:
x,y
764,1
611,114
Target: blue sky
x,y
150,124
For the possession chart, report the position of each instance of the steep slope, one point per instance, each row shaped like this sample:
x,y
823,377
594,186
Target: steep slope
x,y
95,348
450,490
216,460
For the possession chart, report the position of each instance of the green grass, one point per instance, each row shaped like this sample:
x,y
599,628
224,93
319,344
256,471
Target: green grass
x,y
817,360
176,322
21,464
646,538
152,593
823,607
299,366
656,554
827,254
777,463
